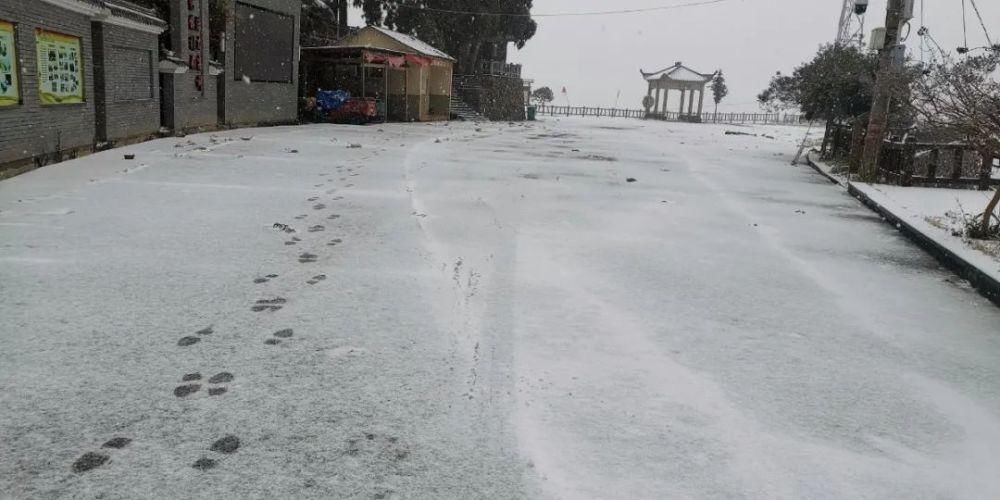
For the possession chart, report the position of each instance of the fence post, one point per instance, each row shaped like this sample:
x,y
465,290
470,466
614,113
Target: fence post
x,y
933,165
908,157
986,171
958,155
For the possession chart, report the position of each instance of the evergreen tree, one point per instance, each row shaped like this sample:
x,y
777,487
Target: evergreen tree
x,y
719,89
461,28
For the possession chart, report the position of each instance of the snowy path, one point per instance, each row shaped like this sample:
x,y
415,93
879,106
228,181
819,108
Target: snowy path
x,y
486,313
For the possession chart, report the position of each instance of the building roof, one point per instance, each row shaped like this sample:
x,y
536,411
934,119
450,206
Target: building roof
x,y
678,72
420,46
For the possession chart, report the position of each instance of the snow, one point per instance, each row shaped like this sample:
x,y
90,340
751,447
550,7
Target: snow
x,y
416,44
503,316
679,73
937,213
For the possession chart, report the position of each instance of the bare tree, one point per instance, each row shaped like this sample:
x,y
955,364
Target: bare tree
x,y
963,98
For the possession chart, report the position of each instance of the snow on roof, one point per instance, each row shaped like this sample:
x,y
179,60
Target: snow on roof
x,y
678,72
416,44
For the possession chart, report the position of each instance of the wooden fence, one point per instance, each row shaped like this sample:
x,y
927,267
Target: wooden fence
x,y
930,164
761,118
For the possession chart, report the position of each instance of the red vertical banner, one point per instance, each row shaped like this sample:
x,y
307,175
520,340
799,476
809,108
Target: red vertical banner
x,y
195,43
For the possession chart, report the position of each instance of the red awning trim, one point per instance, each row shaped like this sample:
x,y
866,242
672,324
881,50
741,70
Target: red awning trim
x,y
393,61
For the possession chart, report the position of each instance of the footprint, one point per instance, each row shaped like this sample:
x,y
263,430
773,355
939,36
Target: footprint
x,y
268,305
188,341
314,198
183,391
215,387
227,445
317,279
338,198
279,335
308,258
334,217
334,242
271,276
205,331
319,206
301,217
259,281
117,443
91,460
317,229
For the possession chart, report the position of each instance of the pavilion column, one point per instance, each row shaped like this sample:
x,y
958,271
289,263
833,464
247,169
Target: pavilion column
x,y
691,103
681,111
701,101
666,99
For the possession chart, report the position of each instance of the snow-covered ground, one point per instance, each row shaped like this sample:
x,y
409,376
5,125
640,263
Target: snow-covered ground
x,y
938,213
480,311
942,214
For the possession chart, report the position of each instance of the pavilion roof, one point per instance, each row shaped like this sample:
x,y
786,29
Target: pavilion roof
x,y
678,72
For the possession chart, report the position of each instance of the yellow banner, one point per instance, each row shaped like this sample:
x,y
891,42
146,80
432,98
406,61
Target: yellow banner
x,y
60,68
9,92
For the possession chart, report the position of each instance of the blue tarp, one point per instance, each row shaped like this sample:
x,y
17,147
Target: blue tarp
x,y
329,100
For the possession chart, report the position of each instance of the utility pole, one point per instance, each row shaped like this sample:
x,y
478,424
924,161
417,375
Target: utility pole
x,y
879,116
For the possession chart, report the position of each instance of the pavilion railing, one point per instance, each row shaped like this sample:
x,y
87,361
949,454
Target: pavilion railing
x,y
761,118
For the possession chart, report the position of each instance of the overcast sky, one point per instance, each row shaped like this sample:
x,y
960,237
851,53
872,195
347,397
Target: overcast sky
x,y
596,57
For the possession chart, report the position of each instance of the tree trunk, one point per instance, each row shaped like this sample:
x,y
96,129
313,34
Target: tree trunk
x,y
826,137
988,214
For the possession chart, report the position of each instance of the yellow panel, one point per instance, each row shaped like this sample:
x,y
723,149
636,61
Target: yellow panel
x,y
60,68
9,92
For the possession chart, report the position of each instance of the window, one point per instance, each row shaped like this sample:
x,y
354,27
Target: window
x,y
264,45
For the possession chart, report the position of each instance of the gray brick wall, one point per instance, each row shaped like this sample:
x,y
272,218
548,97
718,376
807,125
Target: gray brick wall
x,y
185,107
260,102
131,83
31,129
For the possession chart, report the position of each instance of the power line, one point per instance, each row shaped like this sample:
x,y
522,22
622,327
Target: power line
x,y
566,14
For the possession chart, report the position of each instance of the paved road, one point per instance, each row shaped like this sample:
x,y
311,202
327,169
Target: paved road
x,y
480,312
